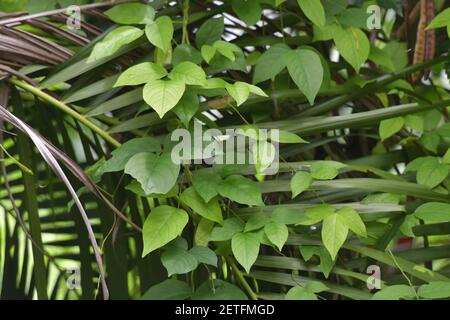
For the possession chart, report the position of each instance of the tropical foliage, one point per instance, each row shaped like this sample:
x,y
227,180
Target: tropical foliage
x,y
93,204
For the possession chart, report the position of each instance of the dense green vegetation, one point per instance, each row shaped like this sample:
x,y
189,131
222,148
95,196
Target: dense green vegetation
x,y
354,94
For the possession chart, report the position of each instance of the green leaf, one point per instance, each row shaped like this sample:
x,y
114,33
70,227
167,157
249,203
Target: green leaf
x,y
136,188
140,73
300,182
392,57
319,212
441,20
325,170
245,247
397,53
392,4
316,287
353,221
240,91
242,190
334,233
163,95
113,41
126,151
227,49
16,5
203,232
206,183
155,173
248,11
308,252
271,63
353,17
288,137
255,90
264,154
178,261
185,52
446,157
131,13
187,107
307,292
435,290
230,227
189,73
257,221
389,127
325,33
204,255
306,70
160,33
314,10
209,210
164,224
395,292
414,122
300,293
353,45
208,52
218,290
287,216
326,262
420,161
433,212
431,173
277,233
430,141
209,32
222,63
407,226
334,7
169,289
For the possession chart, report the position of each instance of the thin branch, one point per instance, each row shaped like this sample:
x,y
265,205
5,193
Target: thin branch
x,y
13,21
66,109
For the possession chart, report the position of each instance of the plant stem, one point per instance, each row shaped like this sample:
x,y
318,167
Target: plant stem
x,y
241,278
65,108
185,36
61,11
